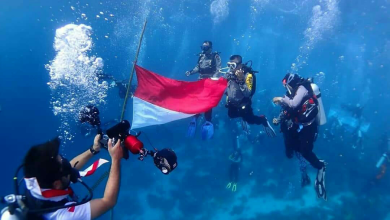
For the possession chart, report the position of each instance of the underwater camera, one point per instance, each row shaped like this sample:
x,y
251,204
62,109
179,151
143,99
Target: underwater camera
x,y
165,159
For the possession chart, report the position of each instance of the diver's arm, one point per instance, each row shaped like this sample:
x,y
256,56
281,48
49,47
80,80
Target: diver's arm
x,y
195,70
109,200
79,161
294,102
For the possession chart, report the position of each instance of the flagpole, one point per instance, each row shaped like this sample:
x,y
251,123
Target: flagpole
x,y
132,71
124,108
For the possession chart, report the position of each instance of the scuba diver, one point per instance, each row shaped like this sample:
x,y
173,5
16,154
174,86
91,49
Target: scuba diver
x,y
357,134
120,84
236,160
385,158
240,89
90,121
302,113
47,176
208,66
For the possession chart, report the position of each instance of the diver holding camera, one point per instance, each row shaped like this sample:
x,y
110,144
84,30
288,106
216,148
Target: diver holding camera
x,y
48,175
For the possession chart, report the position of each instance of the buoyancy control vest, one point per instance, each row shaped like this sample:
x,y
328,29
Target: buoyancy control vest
x,y
207,63
248,69
307,110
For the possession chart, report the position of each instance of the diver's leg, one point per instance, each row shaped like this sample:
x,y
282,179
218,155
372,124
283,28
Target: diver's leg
x,y
307,137
208,115
233,112
289,142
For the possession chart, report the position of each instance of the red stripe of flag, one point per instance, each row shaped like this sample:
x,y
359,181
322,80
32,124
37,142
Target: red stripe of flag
x,y
94,168
180,96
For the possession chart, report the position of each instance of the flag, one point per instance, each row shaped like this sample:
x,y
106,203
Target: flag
x,y
159,100
91,169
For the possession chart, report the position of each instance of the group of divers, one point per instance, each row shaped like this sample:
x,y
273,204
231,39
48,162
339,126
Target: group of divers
x,y
48,174
302,112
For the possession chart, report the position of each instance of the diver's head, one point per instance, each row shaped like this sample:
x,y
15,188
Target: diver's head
x,y
290,81
235,62
51,170
207,47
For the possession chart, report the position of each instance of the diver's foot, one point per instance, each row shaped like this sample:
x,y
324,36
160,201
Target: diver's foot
x,y
319,184
191,128
207,130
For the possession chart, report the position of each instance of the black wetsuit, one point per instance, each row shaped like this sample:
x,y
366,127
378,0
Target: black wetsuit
x,y
302,142
246,114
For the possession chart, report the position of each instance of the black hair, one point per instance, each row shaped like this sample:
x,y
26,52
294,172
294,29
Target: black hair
x,y
208,42
41,162
295,79
236,57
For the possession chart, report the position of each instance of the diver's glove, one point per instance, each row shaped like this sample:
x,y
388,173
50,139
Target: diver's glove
x,y
188,73
267,127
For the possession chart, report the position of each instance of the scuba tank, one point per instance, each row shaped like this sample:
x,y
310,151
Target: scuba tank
x,y
321,117
381,160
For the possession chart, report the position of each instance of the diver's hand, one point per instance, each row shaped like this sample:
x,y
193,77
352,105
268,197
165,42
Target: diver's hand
x,y
267,127
277,100
116,152
96,143
275,121
240,74
188,73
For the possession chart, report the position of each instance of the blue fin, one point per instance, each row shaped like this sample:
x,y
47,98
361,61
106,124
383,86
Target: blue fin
x,y
207,130
192,128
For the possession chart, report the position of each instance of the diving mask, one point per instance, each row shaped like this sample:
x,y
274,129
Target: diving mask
x,y
232,65
205,48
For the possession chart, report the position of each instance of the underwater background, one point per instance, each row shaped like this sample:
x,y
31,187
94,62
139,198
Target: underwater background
x,y
47,74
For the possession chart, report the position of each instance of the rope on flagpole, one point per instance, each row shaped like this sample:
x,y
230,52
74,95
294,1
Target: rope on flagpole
x,y
106,174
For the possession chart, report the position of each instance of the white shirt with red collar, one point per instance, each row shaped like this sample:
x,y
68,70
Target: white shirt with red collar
x,y
80,212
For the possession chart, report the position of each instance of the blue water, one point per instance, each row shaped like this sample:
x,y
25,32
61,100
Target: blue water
x,y
345,44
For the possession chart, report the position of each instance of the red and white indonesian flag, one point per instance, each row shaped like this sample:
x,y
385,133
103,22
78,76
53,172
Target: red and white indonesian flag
x,y
91,169
159,100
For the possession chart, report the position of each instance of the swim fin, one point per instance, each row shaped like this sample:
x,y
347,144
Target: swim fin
x,y
229,185
192,128
319,184
207,130
234,188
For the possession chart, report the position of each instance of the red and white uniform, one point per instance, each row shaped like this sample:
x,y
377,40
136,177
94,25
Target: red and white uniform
x,y
80,212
